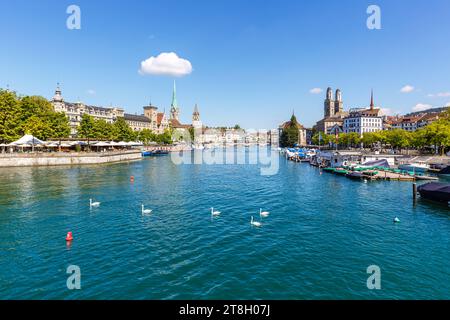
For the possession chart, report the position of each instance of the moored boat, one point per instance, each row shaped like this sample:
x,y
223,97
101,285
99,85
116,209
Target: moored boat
x,y
414,167
435,191
445,171
355,175
154,153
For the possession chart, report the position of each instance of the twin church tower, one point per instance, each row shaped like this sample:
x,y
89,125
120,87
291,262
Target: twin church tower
x,y
332,106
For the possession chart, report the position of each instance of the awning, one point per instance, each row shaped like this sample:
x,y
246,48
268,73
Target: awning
x,y
27,140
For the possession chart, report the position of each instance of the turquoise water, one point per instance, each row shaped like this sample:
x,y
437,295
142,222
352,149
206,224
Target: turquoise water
x,y
322,234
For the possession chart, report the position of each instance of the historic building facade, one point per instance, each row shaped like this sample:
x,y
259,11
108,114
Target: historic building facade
x,y
334,113
364,120
151,119
75,111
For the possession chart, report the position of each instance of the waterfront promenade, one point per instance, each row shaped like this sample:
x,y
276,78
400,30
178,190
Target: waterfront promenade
x,y
66,158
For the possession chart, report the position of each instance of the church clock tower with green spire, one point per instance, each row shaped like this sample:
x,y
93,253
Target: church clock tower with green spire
x,y
174,109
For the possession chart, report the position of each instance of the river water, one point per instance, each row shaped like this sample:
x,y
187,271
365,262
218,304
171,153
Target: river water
x,y
322,234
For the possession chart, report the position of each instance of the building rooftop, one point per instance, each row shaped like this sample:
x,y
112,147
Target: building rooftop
x,y
133,117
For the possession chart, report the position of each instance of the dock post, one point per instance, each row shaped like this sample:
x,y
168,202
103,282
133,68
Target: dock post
x,y
414,192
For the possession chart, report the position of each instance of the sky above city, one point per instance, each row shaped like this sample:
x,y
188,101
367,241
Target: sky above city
x,y
245,62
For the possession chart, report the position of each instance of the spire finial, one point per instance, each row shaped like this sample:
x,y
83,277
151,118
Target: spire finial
x,y
371,101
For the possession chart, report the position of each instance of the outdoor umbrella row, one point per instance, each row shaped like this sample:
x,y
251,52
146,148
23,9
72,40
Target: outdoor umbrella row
x,y
31,141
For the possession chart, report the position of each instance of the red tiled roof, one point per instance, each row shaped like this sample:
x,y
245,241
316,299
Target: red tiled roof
x,y
159,117
176,124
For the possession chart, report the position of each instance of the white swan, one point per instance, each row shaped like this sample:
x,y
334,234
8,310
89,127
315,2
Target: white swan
x,y
93,204
263,214
255,223
146,211
215,213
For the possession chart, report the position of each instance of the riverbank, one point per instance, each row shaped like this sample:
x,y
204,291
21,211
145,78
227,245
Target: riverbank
x,y
64,159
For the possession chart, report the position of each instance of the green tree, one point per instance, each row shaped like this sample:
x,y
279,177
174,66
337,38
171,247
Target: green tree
x,y
438,134
290,133
103,130
86,129
59,124
9,116
165,138
146,136
398,138
122,130
37,127
192,134
34,106
354,139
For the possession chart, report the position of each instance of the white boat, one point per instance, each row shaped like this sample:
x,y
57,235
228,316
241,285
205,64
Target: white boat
x,y
414,167
198,147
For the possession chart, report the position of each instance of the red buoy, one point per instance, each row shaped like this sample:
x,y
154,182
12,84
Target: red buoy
x,y
69,236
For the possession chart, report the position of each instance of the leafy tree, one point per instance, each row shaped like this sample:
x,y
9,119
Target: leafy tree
x,y
325,139
37,127
146,136
165,138
438,134
289,135
122,130
103,130
59,124
34,106
86,129
354,139
398,138
9,116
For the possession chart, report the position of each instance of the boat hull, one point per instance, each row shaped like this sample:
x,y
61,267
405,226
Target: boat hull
x,y
412,168
439,192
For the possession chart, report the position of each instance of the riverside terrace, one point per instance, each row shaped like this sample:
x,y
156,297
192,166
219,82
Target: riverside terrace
x,y
67,158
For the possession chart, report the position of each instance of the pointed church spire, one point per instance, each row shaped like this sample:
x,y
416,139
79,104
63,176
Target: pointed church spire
x,y
174,96
371,101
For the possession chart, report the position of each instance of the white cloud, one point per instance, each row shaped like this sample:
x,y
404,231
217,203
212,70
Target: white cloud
x,y
316,91
91,92
166,63
407,89
440,94
421,107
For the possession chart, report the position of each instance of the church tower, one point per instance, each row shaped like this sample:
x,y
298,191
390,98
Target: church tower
x,y
196,122
338,104
58,101
174,109
329,109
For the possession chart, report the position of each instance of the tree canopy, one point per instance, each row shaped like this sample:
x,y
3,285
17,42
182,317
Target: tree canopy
x,y
30,115
290,133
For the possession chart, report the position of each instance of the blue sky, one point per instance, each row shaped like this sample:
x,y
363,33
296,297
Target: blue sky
x,y
253,61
